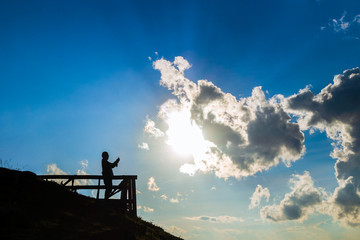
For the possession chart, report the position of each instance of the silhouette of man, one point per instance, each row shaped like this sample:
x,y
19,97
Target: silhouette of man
x,y
107,172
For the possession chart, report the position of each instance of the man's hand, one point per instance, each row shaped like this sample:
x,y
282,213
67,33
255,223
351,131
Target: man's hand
x,y
117,161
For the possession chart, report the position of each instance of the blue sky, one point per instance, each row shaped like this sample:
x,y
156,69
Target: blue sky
x,y
81,77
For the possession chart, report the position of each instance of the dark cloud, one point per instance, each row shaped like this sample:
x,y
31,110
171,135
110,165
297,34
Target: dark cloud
x,y
297,204
207,92
218,219
204,218
336,109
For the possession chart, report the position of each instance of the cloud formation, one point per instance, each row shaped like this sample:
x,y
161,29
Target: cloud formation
x,y
239,137
148,209
174,200
145,209
297,204
144,146
151,129
152,185
218,219
336,111
53,169
349,27
258,194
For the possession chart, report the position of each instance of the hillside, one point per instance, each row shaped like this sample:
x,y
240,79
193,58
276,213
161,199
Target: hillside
x,y
34,209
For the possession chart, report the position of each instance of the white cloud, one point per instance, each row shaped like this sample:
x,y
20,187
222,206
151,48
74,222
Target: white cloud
x,y
84,163
340,24
144,146
296,205
164,197
177,231
232,138
350,27
258,194
174,200
148,209
151,129
145,209
152,185
218,219
53,169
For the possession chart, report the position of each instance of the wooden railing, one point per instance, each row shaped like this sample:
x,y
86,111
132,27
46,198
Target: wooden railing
x,y
126,187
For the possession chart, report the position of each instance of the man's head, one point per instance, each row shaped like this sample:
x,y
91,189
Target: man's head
x,y
105,155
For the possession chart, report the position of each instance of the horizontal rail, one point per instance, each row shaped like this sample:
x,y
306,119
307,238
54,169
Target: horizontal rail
x,y
90,187
117,177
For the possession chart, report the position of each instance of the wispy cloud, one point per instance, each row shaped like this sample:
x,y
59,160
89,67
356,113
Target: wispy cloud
x,y
152,185
258,194
229,230
148,209
144,146
218,219
84,164
145,209
349,27
174,200
151,129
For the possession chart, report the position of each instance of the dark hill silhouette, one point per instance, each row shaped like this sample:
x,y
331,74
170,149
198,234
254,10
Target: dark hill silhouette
x,y
34,209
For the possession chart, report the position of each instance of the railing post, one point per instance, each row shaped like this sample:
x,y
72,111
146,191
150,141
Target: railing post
x,y
134,197
98,191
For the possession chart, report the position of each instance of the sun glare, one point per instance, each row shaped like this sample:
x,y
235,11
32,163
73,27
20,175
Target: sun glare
x,y
184,136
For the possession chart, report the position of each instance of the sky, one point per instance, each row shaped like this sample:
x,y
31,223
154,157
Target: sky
x,y
240,118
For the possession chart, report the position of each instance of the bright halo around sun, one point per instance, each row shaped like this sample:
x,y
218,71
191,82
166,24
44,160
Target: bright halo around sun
x,y
184,136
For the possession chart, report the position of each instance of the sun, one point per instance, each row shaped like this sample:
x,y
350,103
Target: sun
x,y
184,136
